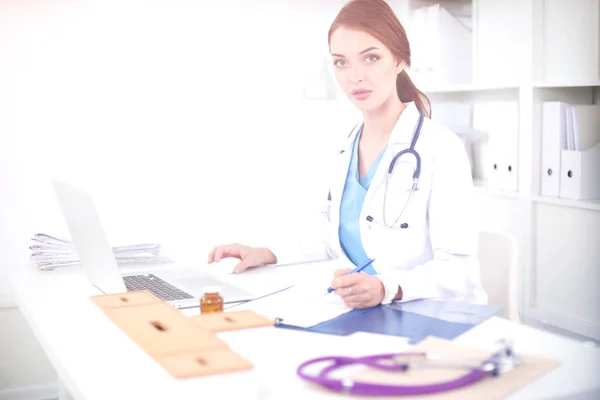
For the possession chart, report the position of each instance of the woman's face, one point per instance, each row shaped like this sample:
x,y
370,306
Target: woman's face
x,y
365,69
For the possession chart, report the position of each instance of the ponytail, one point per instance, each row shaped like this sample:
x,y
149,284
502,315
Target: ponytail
x,y
407,92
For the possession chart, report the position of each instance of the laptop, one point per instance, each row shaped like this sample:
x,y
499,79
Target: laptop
x,y
182,287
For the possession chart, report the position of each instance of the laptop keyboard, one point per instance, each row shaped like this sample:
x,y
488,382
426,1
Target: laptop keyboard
x,y
156,286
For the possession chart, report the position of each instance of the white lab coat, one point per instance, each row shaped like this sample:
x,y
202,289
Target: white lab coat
x,y
436,256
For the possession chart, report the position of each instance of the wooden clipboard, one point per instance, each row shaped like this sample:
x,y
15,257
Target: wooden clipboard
x,y
185,347
231,321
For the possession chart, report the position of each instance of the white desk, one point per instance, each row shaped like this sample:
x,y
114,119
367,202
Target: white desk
x,y
96,361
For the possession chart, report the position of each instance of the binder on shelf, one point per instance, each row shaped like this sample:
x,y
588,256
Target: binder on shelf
x,y
580,174
483,119
500,120
554,140
585,125
570,134
509,162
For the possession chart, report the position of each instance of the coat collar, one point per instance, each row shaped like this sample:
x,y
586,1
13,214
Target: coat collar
x,y
400,138
401,134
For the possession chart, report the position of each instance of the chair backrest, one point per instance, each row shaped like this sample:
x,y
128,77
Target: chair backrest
x,y
498,262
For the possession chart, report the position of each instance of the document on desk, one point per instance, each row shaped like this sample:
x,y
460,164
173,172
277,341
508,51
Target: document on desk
x,y
50,252
303,305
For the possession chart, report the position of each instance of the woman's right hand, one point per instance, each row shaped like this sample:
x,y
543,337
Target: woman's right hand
x,y
248,256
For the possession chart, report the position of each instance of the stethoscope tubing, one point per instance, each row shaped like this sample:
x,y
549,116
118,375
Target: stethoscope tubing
x,y
365,388
416,176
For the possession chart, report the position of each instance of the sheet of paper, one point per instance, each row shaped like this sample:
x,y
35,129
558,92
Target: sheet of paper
x,y
304,305
269,279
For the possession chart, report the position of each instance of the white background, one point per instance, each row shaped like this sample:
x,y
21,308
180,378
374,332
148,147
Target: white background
x,y
184,119
186,122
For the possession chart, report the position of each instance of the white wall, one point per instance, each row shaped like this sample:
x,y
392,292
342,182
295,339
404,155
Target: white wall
x,y
24,368
184,120
151,113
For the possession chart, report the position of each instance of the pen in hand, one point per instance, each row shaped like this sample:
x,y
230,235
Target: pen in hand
x,y
355,270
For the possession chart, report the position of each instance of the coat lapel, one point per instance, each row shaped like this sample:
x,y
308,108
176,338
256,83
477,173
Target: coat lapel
x,y
340,168
399,140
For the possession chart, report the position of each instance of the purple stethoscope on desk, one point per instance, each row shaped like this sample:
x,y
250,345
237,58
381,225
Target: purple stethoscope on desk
x,y
502,361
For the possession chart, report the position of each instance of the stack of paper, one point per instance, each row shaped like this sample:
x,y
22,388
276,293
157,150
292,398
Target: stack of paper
x,y
49,252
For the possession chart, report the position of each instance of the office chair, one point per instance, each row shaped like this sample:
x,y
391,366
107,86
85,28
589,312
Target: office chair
x,y
498,262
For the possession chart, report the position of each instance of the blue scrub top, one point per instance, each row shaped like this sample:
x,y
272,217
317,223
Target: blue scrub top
x,y
351,205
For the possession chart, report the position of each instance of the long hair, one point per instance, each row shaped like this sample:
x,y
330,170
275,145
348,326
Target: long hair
x,y
376,18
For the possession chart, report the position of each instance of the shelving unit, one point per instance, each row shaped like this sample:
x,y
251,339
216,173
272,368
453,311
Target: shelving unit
x,y
551,51
468,87
591,84
593,205
482,189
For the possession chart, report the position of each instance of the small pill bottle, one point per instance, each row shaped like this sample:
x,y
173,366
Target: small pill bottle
x,y
212,301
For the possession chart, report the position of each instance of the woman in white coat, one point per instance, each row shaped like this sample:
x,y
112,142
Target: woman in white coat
x,y
424,242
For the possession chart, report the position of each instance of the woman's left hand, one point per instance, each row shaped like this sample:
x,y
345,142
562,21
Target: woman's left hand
x,y
358,290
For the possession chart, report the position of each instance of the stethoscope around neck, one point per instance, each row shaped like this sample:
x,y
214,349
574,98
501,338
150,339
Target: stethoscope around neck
x,y
414,187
